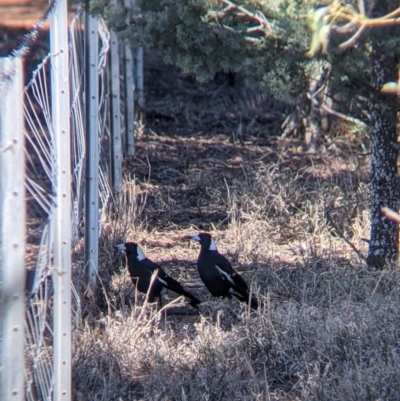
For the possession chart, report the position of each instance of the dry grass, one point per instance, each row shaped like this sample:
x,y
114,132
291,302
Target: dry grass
x,y
328,328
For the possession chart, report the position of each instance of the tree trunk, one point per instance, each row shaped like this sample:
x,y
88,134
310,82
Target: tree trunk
x,y
316,95
383,246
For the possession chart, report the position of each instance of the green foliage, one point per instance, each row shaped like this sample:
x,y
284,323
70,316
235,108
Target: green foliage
x,y
202,38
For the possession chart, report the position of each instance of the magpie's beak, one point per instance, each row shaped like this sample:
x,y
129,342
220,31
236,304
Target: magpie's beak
x,y
192,237
120,247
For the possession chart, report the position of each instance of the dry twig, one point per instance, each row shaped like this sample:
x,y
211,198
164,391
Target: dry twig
x,y
341,235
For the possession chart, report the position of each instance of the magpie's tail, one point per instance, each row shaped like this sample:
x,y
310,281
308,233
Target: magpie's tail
x,y
193,301
253,301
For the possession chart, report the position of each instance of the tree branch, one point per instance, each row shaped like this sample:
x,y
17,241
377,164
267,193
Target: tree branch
x,y
258,16
243,13
391,214
344,117
344,20
351,42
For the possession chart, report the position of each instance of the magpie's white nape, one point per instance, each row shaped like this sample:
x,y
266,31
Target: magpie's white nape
x,y
204,238
140,254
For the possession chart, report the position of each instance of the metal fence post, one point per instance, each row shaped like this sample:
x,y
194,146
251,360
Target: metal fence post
x,y
92,148
129,95
116,160
140,76
61,219
12,231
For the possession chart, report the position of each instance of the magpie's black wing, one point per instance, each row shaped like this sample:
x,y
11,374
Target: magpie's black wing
x,y
239,287
149,265
226,268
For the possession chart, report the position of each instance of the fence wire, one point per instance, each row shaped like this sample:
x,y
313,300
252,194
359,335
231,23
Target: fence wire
x,y
41,163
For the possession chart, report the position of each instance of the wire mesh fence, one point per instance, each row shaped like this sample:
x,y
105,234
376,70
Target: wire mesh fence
x,y
48,164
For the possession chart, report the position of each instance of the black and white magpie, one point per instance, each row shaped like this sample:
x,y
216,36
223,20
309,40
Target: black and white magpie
x,y
141,270
217,273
